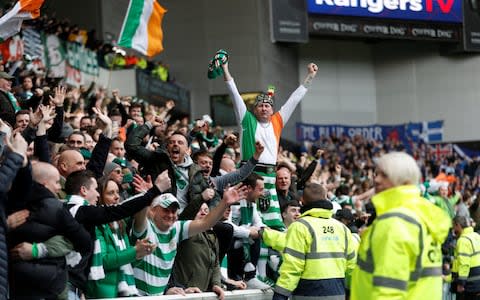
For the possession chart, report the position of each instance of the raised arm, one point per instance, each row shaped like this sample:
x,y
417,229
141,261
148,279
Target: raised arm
x,y
163,182
134,147
292,102
232,178
230,196
238,105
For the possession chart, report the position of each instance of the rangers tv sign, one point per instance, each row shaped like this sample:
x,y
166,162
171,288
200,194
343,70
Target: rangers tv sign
x,y
448,11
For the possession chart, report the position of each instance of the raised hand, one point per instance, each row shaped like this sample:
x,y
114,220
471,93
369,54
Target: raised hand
x,y
312,72
18,145
258,150
169,105
208,194
234,194
142,185
230,140
312,69
163,182
60,92
105,119
48,114
35,117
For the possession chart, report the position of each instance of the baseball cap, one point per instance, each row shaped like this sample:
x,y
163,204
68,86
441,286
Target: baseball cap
x,y
5,75
166,200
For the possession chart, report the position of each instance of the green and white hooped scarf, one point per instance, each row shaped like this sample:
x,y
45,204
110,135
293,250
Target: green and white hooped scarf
x,y
126,283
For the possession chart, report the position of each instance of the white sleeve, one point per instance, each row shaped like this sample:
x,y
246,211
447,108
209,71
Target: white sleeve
x,y
238,105
292,102
239,231
257,220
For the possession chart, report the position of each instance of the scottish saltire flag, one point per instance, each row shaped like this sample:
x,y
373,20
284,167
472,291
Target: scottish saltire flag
x,y
429,132
142,27
11,22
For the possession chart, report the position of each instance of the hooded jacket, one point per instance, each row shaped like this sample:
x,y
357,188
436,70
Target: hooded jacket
x,y
319,253
11,164
46,277
400,253
152,162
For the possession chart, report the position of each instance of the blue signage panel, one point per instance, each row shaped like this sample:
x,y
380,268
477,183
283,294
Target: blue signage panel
x,y
429,132
449,11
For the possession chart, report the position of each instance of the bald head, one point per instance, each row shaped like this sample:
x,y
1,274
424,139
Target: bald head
x,y
313,192
227,164
70,161
47,175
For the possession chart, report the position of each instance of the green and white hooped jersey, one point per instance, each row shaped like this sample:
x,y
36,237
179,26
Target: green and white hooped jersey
x,y
153,271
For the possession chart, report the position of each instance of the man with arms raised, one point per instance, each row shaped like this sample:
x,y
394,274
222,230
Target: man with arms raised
x,y
164,230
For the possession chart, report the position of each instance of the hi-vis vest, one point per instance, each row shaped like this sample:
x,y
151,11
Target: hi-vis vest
x,y
319,252
466,266
400,253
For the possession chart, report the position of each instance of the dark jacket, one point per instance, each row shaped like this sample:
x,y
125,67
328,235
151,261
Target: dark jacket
x,y
152,162
7,111
198,183
91,216
196,262
96,164
45,277
11,164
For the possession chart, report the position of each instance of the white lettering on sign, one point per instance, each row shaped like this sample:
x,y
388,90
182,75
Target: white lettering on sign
x,y
375,6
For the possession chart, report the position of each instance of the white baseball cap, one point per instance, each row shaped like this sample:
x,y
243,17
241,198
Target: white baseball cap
x,y
166,200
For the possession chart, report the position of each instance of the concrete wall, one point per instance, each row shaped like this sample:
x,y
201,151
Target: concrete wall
x,y
358,83
392,82
113,13
414,82
195,30
122,80
344,91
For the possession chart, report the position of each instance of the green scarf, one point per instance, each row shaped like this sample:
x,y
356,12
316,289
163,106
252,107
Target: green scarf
x,y
14,102
126,282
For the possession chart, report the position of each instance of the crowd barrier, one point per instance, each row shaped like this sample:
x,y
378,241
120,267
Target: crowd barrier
x,y
233,295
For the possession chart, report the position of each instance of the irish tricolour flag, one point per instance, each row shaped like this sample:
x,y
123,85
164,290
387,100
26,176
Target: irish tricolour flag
x,y
11,22
142,27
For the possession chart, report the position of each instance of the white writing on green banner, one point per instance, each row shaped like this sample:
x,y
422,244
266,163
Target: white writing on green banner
x,y
82,59
55,56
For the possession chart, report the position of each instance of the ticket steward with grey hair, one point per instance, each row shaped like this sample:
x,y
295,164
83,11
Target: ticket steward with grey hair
x,y
400,168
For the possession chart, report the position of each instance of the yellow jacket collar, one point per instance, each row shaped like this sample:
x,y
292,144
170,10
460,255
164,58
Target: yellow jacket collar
x,y
467,230
434,218
318,213
394,197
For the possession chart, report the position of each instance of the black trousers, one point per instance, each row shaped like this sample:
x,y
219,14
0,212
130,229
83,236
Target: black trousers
x,y
468,296
224,232
237,260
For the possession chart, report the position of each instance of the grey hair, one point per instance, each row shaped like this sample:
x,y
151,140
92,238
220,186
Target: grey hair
x,y
462,221
400,168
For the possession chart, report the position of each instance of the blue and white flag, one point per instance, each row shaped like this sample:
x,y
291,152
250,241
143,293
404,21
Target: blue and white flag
x,y
429,132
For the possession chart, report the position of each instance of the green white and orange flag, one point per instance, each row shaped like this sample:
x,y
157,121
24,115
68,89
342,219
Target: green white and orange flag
x,y
142,27
11,22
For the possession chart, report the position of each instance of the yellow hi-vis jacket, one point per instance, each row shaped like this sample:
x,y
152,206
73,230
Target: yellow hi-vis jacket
x,y
318,254
274,239
466,264
400,253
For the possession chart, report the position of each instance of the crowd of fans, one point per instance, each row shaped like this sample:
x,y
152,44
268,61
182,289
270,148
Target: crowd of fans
x,y
76,144
92,184
109,56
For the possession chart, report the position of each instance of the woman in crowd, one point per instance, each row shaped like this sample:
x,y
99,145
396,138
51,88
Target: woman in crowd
x,y
111,273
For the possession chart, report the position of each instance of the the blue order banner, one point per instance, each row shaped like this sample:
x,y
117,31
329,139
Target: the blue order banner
x,y
449,11
430,132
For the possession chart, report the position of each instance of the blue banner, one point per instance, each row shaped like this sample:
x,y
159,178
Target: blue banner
x,y
429,132
449,11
